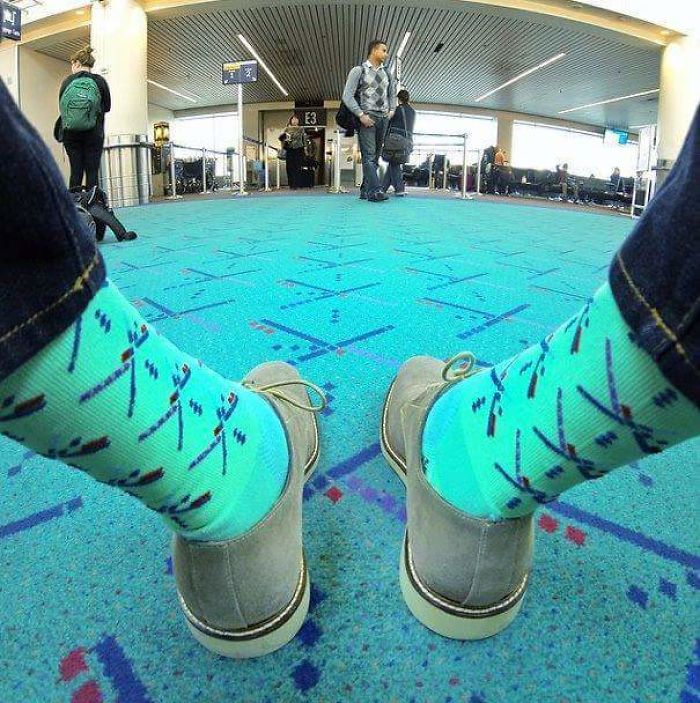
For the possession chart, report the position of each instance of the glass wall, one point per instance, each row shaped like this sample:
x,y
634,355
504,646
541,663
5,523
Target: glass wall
x,y
543,147
214,132
481,130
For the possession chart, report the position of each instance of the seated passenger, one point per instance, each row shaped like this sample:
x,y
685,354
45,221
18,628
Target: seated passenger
x,y
562,178
616,180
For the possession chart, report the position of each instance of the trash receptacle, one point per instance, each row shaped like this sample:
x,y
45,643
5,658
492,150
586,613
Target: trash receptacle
x,y
125,171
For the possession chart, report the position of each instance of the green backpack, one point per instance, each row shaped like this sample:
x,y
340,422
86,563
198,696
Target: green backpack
x,y
80,104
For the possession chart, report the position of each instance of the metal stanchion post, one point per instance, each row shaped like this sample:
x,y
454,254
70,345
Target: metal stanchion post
x,y
478,172
266,153
431,177
633,205
465,195
241,146
647,190
204,170
229,168
277,170
173,188
335,161
333,188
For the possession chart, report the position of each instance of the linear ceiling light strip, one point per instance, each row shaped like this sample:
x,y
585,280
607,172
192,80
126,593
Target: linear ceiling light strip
x,y
174,92
248,46
522,75
611,100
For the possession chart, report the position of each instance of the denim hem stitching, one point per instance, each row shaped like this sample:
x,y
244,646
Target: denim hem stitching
x,y
656,316
77,287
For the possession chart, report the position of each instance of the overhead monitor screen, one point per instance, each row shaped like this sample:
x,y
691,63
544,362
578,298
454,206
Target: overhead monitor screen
x,y
615,136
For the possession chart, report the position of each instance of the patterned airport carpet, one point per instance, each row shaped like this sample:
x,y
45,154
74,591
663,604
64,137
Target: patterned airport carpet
x,y
346,291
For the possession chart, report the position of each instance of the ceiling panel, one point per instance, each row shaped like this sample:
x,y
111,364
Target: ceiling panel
x,y
310,47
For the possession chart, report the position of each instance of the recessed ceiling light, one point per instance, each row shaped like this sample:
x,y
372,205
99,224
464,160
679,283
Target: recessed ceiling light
x,y
522,75
174,92
248,46
610,100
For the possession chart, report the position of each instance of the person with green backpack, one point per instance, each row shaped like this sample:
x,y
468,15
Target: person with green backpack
x,y
83,100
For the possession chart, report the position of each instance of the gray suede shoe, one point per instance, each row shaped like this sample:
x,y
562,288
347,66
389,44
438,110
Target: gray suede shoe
x,y
249,596
462,577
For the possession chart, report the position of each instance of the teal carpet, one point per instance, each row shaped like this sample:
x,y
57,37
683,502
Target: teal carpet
x,y
346,290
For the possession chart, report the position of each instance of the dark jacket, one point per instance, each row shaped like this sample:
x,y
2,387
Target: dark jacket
x,y
97,133
404,114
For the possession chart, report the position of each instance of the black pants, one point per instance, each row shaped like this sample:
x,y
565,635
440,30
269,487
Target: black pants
x,y
84,157
503,177
295,159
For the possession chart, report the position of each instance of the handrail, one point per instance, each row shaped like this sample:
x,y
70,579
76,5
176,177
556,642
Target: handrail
x,y
431,134
150,145
204,152
199,149
259,143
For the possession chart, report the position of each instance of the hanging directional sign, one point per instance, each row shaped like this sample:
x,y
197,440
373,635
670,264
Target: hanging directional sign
x,y
239,72
11,20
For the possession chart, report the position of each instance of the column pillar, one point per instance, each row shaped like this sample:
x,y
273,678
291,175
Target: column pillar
x,y
679,96
119,37
504,137
9,66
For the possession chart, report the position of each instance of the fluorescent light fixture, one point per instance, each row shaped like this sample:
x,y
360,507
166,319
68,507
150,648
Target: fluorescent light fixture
x,y
611,100
522,75
404,41
174,92
248,46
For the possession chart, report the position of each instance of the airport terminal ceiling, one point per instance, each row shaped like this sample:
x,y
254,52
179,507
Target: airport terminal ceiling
x,y
457,52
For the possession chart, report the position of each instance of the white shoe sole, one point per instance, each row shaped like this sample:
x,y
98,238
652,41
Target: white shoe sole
x,y
449,619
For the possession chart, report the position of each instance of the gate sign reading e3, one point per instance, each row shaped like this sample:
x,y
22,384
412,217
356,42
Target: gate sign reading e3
x,y
239,72
11,21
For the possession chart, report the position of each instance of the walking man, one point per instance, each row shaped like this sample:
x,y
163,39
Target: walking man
x,y
370,95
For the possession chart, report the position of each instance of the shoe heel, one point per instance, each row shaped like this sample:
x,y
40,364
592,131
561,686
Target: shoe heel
x,y
447,618
251,645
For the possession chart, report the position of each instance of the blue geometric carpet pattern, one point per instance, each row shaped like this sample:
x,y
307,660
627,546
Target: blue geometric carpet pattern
x,y
346,291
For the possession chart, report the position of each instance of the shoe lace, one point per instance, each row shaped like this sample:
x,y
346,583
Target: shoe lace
x,y
272,389
466,368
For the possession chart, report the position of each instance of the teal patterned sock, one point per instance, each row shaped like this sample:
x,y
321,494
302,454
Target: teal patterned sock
x,y
112,397
584,401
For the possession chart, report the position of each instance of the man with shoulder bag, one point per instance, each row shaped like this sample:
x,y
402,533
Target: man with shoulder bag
x,y
370,96
398,144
